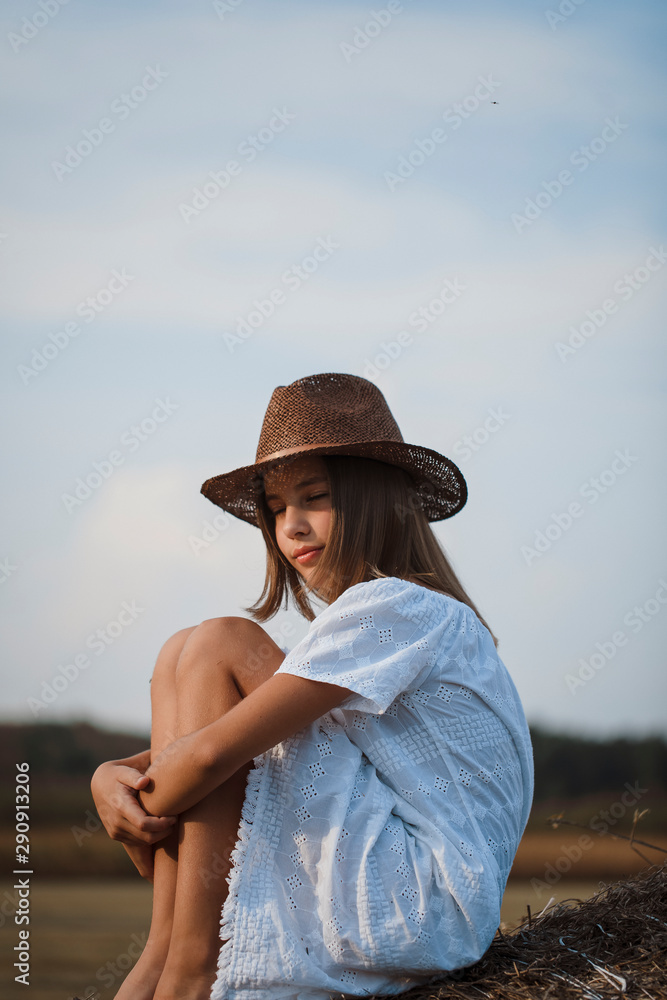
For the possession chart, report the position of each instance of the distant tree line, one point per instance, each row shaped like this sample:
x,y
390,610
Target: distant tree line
x,y
568,767
63,757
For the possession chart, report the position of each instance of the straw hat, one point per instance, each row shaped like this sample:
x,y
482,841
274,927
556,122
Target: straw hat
x,y
337,414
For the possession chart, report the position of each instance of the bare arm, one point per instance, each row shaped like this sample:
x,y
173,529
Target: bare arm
x,y
193,766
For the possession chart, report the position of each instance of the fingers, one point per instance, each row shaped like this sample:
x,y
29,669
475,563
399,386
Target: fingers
x,y
131,777
160,825
147,828
115,788
132,836
133,825
134,813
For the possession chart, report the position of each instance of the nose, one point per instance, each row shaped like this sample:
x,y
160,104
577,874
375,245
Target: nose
x,y
295,521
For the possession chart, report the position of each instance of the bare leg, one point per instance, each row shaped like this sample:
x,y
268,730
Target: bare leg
x,y
142,981
219,663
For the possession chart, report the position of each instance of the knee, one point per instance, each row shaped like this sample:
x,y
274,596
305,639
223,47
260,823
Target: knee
x,y
236,645
219,639
168,657
220,635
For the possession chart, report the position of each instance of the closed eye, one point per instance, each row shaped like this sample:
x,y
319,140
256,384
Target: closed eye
x,y
314,496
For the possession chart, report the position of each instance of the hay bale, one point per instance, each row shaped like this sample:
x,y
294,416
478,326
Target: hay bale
x,y
611,945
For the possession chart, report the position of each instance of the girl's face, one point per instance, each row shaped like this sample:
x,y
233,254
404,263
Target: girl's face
x,y
298,496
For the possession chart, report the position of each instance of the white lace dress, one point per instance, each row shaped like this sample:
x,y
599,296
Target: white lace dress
x,y
375,844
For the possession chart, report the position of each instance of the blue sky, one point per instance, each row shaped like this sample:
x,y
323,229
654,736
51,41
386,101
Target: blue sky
x,y
152,99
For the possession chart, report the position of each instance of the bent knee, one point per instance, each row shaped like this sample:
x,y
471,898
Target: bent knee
x,y
238,645
221,635
167,660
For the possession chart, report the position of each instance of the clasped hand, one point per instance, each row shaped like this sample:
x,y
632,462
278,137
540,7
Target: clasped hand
x,y
115,785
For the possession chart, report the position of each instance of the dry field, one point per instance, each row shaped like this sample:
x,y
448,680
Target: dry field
x,y
81,930
573,853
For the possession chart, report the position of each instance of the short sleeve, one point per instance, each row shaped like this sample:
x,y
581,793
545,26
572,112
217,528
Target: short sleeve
x,y
378,639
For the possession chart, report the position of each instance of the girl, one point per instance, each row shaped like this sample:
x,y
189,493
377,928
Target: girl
x,y
344,818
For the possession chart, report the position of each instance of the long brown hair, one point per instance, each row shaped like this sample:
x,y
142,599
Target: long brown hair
x,y
378,529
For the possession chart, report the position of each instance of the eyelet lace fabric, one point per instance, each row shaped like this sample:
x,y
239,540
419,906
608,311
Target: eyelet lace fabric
x,y
375,845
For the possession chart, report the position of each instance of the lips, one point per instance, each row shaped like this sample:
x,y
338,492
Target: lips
x,y
306,554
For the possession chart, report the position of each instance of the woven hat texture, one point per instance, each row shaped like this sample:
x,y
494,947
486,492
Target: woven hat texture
x,y
337,414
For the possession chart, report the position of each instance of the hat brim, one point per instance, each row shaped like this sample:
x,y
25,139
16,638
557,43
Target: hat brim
x,y
439,483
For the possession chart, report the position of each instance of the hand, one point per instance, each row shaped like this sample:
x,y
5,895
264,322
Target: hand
x,y
114,787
